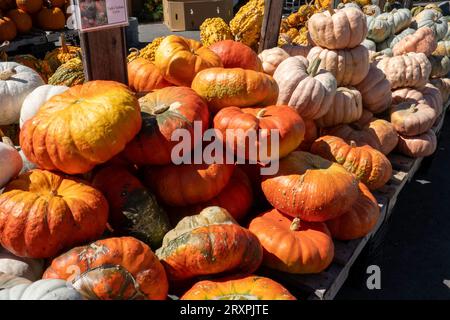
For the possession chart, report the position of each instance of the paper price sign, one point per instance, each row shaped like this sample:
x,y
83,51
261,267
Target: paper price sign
x,y
94,15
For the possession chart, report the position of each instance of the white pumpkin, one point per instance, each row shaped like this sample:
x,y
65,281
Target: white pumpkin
x,y
27,164
36,99
48,289
31,269
10,163
16,82
9,281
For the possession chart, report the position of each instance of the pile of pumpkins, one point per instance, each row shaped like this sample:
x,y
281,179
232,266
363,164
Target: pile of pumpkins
x,y
92,196
18,17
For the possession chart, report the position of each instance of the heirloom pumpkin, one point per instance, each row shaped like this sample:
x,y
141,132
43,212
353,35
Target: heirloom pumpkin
x,y
369,165
30,269
144,76
338,29
408,70
36,99
440,66
375,90
52,289
369,44
128,254
411,119
209,244
349,66
234,54
42,213
238,87
134,210
246,24
213,30
30,6
443,85
247,288
61,55
163,113
68,74
189,183
303,87
359,220
10,161
380,27
51,18
237,125
180,59
410,95
16,82
236,197
9,280
422,145
23,21
346,108
401,18
423,40
310,187
442,49
293,245
34,63
67,135
297,50
433,98
434,20
271,59
394,39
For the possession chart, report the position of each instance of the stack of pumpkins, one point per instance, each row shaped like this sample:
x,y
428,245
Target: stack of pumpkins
x,y
19,17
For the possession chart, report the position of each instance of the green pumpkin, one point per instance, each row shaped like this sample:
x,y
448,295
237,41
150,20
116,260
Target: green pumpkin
x,y
69,74
443,49
434,20
440,66
401,18
380,27
394,39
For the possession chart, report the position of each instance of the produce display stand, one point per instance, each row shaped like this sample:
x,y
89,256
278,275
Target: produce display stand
x,y
40,38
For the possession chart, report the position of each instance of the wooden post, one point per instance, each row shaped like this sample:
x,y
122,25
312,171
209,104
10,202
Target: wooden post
x,y
105,55
270,29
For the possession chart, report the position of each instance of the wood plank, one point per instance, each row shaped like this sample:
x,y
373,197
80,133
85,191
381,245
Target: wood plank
x,y
270,29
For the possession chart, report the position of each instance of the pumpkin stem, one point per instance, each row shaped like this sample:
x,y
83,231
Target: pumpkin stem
x,y
6,140
54,192
314,67
295,225
331,10
161,109
64,44
352,143
261,113
4,45
414,108
7,74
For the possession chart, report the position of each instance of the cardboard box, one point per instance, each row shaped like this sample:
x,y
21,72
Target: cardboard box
x,y
189,15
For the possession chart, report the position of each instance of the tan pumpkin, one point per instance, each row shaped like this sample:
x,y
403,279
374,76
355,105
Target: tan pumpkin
x,y
375,90
346,108
423,40
443,85
440,66
304,87
297,50
433,97
411,119
271,58
338,29
422,145
428,94
408,70
349,66
369,165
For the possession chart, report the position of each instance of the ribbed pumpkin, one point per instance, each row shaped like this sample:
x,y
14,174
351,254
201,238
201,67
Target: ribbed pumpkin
x,y
347,107
310,187
401,19
304,87
283,120
296,50
408,70
394,39
369,165
68,74
51,289
359,220
247,288
43,212
443,85
375,90
238,87
271,59
144,76
180,59
68,135
311,134
30,6
163,113
10,160
292,245
422,145
411,119
134,210
440,66
209,244
236,55
433,97
338,29
8,29
349,66
61,55
433,19
51,18
423,40
380,27
443,48
236,197
127,254
189,183
32,62
21,19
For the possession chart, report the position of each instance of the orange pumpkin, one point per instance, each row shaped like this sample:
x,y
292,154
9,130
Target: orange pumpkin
x,y
42,213
369,165
126,253
58,3
289,127
237,87
144,77
8,29
85,126
51,18
30,6
235,54
311,134
247,288
189,183
180,59
411,119
359,220
164,112
209,244
310,187
23,20
293,246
